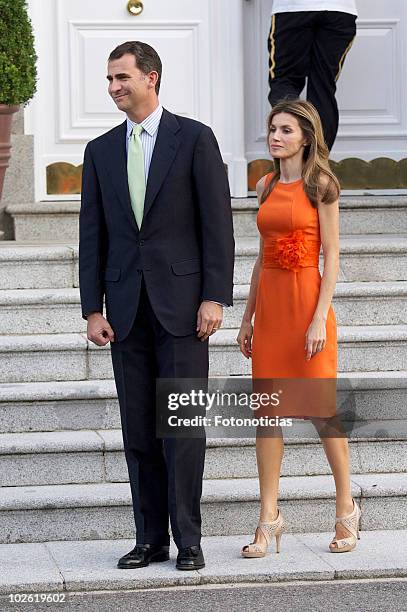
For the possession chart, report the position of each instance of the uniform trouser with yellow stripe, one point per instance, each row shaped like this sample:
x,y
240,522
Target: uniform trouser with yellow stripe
x,y
310,44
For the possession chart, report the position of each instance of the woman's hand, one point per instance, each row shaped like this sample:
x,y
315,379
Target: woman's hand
x,y
244,339
315,338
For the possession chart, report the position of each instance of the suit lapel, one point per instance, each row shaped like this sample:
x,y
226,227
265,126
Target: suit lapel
x,y
165,150
117,168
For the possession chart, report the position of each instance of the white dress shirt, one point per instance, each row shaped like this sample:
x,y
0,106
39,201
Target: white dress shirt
x,y
148,135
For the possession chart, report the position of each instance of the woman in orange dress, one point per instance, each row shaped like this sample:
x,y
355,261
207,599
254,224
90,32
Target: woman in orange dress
x,y
294,334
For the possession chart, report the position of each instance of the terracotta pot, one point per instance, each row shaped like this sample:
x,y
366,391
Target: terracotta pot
x,y
6,117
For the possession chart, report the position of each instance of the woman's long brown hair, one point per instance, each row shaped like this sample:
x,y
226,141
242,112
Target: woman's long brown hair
x,y
316,153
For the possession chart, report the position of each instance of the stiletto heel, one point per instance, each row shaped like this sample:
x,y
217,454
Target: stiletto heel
x,y
269,530
278,538
351,522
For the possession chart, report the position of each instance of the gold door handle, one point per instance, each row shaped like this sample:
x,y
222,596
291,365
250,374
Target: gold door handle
x,y
135,7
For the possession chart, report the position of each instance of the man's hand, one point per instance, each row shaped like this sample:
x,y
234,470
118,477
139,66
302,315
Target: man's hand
x,y
99,330
209,320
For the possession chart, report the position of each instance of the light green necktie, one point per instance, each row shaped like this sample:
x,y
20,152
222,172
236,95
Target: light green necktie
x,y
135,173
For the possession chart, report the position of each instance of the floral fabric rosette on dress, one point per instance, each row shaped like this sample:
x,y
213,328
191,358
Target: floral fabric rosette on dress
x,y
291,250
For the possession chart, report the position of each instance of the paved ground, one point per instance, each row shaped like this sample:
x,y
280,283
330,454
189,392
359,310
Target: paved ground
x,y
388,595
302,577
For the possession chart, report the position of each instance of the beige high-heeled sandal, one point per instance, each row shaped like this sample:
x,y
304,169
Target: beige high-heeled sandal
x,y
269,530
351,522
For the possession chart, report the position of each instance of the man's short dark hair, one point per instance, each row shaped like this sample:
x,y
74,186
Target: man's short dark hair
x,y
147,58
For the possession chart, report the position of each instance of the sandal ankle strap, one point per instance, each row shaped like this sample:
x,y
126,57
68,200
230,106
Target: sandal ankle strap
x,y
350,521
268,529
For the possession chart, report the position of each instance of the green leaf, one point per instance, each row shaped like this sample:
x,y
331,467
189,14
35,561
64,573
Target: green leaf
x,y
17,54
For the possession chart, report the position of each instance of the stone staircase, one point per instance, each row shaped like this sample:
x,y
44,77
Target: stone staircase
x,y
62,470
359,214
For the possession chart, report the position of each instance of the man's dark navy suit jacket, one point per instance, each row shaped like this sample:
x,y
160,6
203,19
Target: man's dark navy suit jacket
x,y
185,248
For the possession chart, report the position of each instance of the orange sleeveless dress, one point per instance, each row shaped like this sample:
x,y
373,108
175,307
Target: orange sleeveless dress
x,y
287,296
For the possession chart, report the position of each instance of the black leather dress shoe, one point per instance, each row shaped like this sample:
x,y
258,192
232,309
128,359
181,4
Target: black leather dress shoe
x,y
141,556
190,558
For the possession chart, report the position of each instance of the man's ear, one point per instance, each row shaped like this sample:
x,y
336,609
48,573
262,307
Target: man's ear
x,y
152,83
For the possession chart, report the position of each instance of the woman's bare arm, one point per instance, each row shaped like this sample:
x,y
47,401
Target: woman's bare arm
x,y
329,230
246,329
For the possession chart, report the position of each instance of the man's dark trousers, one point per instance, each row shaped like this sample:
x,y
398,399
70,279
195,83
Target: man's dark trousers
x,y
165,475
311,44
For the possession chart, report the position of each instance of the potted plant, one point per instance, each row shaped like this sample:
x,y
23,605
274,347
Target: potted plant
x,y
17,70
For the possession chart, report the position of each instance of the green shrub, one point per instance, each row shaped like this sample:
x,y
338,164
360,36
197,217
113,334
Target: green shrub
x,y
17,55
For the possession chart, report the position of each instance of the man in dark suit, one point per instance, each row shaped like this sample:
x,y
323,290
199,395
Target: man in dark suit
x,y
156,240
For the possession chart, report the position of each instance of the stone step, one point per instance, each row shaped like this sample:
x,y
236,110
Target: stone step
x,y
362,258
103,511
40,311
57,357
53,311
355,303
59,406
92,404
72,457
367,214
44,221
49,357
300,578
360,348
358,215
38,266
